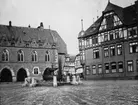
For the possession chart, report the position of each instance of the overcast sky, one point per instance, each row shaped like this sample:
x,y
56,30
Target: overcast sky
x,y
64,16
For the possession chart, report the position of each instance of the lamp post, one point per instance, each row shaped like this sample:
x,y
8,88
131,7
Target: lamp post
x,y
54,76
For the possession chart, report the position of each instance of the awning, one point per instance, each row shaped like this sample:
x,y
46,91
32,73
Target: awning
x,y
80,70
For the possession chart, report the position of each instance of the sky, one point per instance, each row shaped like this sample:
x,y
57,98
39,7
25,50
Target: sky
x,y
64,16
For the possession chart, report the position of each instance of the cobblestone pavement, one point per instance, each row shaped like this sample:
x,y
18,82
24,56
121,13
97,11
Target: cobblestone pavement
x,y
89,93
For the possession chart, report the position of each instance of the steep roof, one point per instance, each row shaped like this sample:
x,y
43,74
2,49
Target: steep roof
x,y
126,15
93,29
60,44
27,34
129,15
117,9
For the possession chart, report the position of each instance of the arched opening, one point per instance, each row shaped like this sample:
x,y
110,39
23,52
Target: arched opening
x,y
6,75
48,74
21,75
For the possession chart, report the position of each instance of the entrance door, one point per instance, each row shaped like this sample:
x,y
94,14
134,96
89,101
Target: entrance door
x,y
6,75
48,74
21,75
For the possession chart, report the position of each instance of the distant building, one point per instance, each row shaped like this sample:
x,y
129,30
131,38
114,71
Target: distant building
x,y
69,66
29,52
78,67
109,47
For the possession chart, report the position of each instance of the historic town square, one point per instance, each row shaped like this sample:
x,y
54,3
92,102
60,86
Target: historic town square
x,y
68,52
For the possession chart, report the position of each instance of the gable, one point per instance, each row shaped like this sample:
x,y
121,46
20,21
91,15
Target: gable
x,y
110,20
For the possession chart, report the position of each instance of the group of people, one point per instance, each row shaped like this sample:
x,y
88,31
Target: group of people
x,y
72,78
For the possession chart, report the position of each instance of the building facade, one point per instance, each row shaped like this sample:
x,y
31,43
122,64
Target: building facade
x,y
69,66
78,66
109,47
29,52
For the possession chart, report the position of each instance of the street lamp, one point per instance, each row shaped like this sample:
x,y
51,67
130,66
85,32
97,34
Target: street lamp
x,y
54,75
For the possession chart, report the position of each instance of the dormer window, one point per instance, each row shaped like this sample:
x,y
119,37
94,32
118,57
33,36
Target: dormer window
x,y
110,20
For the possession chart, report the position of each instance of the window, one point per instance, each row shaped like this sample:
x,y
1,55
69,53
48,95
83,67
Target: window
x,y
103,24
88,42
99,68
47,57
112,35
119,49
113,67
36,70
120,66
107,68
105,37
87,70
106,52
80,43
132,32
130,66
117,33
133,47
20,55
93,69
96,53
5,55
112,50
117,21
34,56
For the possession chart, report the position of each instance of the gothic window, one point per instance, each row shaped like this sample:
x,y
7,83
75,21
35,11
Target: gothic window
x,y
34,56
96,54
47,56
5,55
119,49
112,50
133,47
20,55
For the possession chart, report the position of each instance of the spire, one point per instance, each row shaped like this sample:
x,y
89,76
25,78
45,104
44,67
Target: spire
x,y
108,1
82,24
49,27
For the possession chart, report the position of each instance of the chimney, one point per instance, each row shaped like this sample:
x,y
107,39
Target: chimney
x,y
41,25
10,23
29,26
